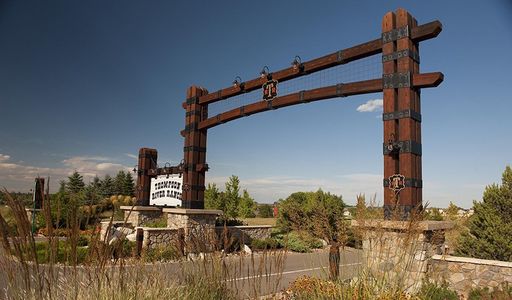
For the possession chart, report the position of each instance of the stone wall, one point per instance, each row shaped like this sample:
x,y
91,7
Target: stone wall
x,y
397,252
464,273
245,234
140,215
161,237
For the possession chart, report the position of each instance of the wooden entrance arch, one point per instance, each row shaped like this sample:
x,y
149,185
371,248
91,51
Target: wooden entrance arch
x,y
400,83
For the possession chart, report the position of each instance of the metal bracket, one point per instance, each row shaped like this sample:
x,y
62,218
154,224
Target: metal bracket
x,y
339,90
301,97
269,105
193,100
395,34
409,182
197,187
219,120
194,148
396,80
340,56
242,111
408,113
404,147
193,112
191,127
401,54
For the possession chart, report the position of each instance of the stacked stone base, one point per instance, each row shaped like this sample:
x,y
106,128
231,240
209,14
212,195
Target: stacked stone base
x,y
398,252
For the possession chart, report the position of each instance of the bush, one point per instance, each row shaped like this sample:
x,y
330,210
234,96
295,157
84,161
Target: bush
x,y
269,243
158,223
295,243
504,292
161,254
434,291
63,254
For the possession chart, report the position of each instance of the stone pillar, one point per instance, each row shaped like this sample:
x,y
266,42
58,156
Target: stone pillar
x,y
398,252
140,215
198,226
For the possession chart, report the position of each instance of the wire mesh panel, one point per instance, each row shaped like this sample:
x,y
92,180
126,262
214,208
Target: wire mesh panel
x,y
363,69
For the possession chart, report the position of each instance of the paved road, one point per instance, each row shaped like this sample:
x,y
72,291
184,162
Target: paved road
x,y
249,275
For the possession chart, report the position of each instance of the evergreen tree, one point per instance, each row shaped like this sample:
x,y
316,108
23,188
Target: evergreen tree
x,y
119,183
128,185
75,183
265,210
212,198
452,212
107,186
490,227
247,206
232,197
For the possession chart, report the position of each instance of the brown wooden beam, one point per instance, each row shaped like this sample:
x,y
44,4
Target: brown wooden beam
x,y
348,89
420,33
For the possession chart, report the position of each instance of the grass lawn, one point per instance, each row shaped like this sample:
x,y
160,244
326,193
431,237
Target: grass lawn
x,y
260,221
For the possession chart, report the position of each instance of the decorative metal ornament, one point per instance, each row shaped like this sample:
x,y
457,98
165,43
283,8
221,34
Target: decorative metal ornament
x,y
269,90
397,182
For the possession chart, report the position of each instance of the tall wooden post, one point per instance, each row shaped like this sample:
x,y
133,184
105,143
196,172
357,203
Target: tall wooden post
x,y
147,160
401,117
194,157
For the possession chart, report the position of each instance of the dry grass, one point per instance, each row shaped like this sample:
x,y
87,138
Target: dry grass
x,y
260,221
215,276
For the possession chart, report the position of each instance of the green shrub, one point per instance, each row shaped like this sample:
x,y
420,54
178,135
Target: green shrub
x,y
82,240
294,242
157,223
504,292
269,243
434,291
161,254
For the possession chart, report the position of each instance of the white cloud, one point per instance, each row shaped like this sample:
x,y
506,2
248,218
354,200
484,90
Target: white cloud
x,y
131,155
20,176
4,157
269,189
371,106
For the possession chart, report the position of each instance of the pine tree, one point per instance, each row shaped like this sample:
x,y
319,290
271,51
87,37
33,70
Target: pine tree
x,y
232,197
247,206
212,197
75,183
491,224
128,185
119,183
107,186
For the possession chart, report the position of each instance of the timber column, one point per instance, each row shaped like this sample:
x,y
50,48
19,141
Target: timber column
x,y
401,117
147,160
194,157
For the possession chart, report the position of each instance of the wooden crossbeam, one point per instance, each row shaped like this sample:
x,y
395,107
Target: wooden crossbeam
x,y
425,80
420,33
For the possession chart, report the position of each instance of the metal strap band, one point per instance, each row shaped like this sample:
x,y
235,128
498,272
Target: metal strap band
x,y
197,187
401,211
193,100
339,90
219,119
146,155
269,105
405,147
219,94
401,54
409,182
193,167
408,113
191,127
340,56
395,34
396,80
242,111
301,97
194,148
193,112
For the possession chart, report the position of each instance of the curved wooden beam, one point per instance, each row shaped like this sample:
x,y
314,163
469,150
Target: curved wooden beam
x,y
420,33
425,80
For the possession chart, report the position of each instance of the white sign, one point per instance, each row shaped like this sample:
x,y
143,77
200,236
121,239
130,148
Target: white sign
x,y
166,190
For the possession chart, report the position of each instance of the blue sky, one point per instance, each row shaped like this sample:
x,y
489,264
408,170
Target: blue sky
x,y
85,84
